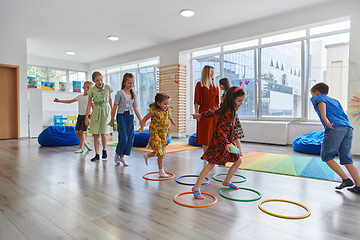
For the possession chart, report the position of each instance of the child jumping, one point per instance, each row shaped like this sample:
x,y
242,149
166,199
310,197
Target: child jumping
x,y
224,85
219,147
100,94
159,130
81,127
338,136
126,105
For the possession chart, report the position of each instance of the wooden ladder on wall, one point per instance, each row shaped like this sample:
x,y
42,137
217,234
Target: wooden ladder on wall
x,y
172,80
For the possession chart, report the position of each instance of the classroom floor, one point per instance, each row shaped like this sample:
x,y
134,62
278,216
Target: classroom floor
x,y
52,193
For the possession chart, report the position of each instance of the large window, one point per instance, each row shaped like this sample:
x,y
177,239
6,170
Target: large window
x,y
145,81
39,73
281,81
57,76
62,78
328,62
239,68
146,88
277,71
199,63
76,76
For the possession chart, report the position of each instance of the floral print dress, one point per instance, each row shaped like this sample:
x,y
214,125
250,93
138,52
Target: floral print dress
x,y
159,131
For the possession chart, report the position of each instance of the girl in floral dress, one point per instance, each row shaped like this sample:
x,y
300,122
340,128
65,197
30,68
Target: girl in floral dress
x,y
159,130
219,150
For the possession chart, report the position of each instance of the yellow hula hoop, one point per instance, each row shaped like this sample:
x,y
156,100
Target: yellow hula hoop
x,y
282,216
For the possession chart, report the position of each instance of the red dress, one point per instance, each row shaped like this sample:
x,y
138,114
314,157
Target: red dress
x,y
223,135
208,99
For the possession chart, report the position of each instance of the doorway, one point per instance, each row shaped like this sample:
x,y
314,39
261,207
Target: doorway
x,y
9,100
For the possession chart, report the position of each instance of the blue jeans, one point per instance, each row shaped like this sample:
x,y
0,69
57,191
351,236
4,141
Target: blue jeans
x,y
337,141
125,126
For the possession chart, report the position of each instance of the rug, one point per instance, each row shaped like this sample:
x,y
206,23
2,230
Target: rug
x,y
170,148
301,166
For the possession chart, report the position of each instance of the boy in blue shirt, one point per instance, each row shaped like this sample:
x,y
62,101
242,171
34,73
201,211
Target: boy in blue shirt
x,y
338,136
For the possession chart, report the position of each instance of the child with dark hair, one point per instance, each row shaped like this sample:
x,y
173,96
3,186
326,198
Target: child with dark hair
x,y
159,130
219,151
224,85
338,136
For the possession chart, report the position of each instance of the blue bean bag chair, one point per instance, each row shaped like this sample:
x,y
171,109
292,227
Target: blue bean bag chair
x,y
58,136
192,141
142,139
309,143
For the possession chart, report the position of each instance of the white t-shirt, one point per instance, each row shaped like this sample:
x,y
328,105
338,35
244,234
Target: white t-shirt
x,y
82,104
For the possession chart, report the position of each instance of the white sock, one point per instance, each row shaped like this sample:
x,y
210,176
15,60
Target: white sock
x,y
162,173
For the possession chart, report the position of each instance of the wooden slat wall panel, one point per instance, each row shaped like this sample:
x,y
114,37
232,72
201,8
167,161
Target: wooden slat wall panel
x,y
172,80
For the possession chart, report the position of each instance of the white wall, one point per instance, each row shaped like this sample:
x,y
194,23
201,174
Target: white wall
x,y
13,52
51,62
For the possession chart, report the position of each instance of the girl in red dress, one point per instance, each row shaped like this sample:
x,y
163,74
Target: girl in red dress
x,y
218,151
206,99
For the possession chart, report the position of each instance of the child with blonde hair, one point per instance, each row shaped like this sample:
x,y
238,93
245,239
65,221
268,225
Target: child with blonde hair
x,y
100,94
159,130
126,105
81,127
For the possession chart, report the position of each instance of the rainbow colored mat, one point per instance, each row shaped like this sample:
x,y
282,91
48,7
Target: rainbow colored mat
x,y
172,147
301,166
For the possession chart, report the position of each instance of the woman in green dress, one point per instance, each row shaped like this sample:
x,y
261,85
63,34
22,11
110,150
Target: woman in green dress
x,y
100,95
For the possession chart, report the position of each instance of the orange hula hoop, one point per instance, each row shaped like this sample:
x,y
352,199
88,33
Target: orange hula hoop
x,y
195,206
158,179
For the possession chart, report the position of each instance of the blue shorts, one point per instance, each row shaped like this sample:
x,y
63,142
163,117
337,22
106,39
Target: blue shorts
x,y
337,141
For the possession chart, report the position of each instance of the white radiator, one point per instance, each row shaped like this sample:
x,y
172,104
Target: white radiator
x,y
265,132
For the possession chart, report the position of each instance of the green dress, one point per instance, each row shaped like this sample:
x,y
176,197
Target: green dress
x,y
101,114
159,131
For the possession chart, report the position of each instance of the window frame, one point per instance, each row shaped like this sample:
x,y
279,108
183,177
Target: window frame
x,y
305,65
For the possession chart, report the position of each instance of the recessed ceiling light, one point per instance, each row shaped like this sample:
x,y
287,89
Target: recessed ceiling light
x,y
70,53
187,13
113,38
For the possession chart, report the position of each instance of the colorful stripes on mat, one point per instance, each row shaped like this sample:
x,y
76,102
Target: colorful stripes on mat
x,y
302,166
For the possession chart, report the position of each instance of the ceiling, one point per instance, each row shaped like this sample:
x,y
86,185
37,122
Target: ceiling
x,y
54,27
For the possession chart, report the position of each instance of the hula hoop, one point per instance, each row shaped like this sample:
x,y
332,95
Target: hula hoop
x,y
240,200
196,206
158,179
282,216
214,177
191,184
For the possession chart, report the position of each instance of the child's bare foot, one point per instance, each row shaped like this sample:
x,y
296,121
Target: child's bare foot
x,y
162,173
146,159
